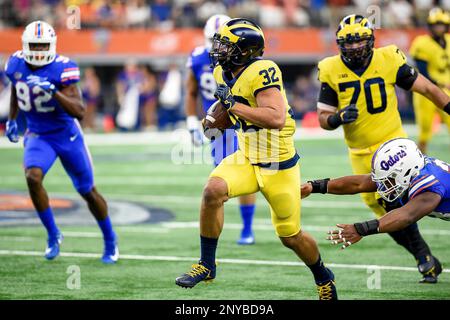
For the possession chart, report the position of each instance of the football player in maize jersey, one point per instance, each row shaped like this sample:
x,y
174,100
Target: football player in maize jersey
x,y
415,184
44,87
358,92
431,53
200,80
251,89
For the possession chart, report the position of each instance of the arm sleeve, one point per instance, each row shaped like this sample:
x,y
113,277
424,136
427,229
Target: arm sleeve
x,y
327,95
70,73
430,184
268,76
406,76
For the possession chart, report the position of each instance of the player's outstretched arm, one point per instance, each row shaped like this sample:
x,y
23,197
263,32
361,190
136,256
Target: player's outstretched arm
x,y
431,91
344,185
13,106
395,220
70,99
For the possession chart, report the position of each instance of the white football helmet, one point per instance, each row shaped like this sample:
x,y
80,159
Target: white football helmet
x,y
394,165
39,32
212,26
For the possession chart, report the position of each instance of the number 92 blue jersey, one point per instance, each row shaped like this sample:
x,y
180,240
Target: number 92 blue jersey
x,y
42,111
199,63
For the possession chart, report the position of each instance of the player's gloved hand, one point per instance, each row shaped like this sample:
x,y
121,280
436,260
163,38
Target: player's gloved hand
x,y
12,131
223,93
43,84
194,130
346,115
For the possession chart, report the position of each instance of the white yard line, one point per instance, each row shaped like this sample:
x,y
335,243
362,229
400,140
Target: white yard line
x,y
165,227
308,203
193,259
173,138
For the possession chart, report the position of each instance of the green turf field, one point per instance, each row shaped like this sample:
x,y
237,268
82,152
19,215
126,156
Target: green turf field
x,y
154,254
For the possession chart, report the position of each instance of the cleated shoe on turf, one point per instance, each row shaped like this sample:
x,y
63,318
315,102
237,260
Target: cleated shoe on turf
x,y
430,270
111,252
327,290
53,244
198,273
246,239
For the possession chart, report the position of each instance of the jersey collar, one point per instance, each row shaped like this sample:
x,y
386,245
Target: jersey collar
x,y
359,71
230,82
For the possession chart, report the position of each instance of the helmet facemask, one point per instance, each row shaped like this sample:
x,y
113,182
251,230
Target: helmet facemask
x,y
394,165
224,53
39,44
389,188
356,57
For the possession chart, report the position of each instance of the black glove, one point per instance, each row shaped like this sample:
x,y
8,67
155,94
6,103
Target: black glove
x,y
223,93
447,108
346,115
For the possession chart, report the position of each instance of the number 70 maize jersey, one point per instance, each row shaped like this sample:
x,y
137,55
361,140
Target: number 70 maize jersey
x,y
372,90
42,111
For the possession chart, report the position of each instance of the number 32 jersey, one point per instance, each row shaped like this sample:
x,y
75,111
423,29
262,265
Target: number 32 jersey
x,y
260,145
42,111
372,90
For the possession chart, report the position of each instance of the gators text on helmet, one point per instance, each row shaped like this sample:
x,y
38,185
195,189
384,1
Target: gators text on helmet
x,y
238,42
354,29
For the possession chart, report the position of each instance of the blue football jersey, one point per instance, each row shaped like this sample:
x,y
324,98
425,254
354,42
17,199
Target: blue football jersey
x,y
434,177
199,63
42,111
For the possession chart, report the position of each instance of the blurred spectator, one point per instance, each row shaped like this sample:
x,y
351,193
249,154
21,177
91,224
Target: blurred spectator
x,y
304,96
445,4
422,7
149,99
90,88
209,8
170,100
194,13
162,13
271,14
110,14
128,94
5,93
400,14
137,13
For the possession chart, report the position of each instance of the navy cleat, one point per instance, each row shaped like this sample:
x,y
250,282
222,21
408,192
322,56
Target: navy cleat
x,y
53,244
327,289
430,270
111,252
246,239
198,273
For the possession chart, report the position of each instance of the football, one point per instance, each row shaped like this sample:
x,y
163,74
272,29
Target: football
x,y
216,121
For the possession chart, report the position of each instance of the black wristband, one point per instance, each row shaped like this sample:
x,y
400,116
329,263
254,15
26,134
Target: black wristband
x,y
447,108
367,228
319,186
334,120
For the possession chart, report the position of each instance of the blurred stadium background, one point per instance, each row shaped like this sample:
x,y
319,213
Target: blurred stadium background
x,y
123,45
136,51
